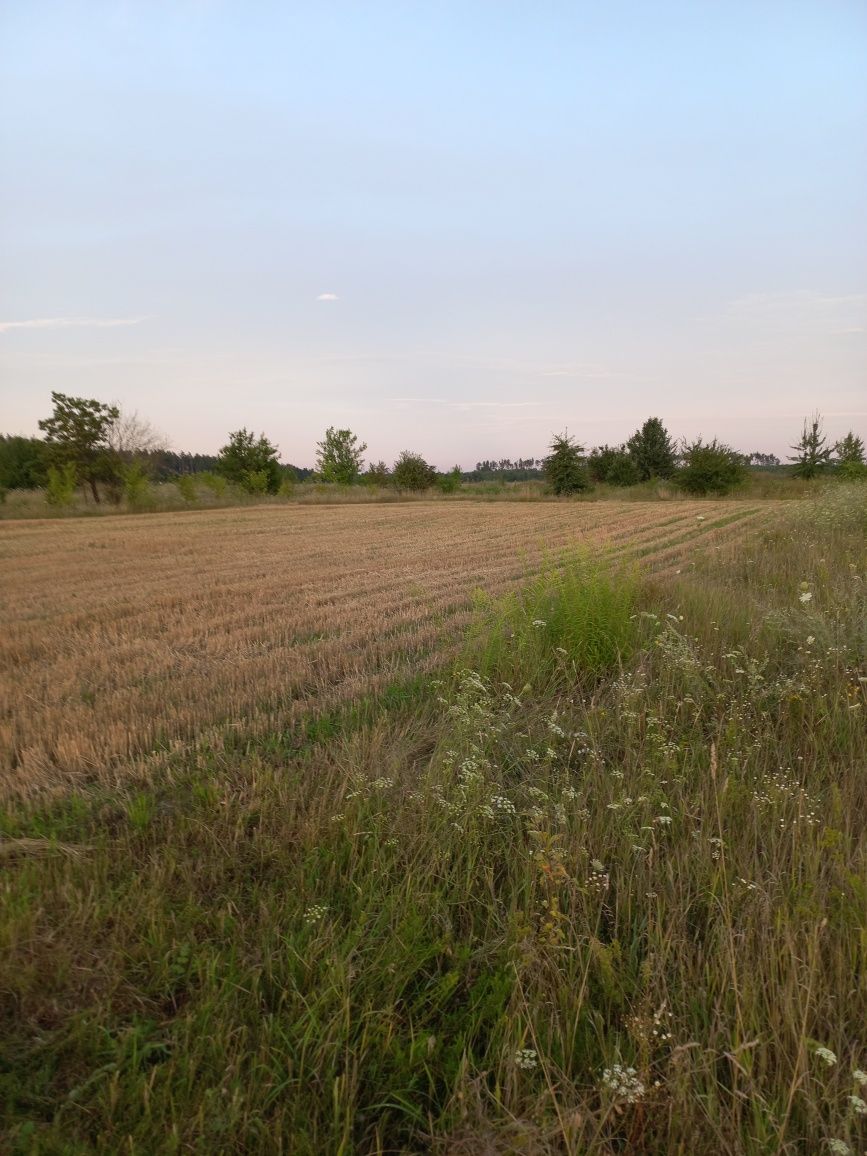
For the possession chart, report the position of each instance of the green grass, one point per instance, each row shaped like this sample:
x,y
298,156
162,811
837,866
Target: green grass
x,y
433,921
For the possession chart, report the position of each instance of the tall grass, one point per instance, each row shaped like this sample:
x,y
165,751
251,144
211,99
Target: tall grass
x,y
620,910
575,618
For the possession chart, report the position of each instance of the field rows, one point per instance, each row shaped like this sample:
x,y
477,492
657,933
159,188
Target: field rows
x,y
127,633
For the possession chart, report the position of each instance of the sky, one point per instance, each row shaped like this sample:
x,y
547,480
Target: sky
x,y
454,227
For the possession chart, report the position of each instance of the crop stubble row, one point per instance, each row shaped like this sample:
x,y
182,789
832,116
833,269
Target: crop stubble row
x,y
124,633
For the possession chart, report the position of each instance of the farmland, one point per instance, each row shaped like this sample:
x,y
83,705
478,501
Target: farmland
x,y
454,828
123,635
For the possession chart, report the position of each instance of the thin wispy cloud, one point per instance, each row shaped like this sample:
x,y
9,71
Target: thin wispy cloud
x,y
327,297
70,323
802,311
465,404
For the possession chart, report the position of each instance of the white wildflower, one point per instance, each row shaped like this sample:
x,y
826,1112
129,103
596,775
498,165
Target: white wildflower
x,y
526,1059
623,1083
827,1055
839,1148
860,1077
315,913
805,596
858,1106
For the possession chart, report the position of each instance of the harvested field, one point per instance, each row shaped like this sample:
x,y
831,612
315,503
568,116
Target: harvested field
x,y
128,634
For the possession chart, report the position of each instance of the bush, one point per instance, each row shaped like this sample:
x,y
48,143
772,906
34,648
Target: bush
x,y
216,483
412,472
377,474
136,488
711,468
256,482
60,485
622,471
450,483
187,487
852,471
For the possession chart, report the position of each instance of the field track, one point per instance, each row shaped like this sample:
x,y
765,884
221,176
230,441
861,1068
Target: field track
x,y
124,634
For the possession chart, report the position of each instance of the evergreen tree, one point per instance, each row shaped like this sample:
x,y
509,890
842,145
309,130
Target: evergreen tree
x,y
564,466
250,462
850,456
812,452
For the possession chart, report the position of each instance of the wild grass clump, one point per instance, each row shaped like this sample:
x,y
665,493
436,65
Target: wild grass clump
x,y
578,618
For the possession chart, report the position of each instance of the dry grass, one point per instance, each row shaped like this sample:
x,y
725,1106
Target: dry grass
x,y
127,634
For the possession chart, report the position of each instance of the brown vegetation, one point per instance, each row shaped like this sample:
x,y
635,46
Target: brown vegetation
x,y
128,634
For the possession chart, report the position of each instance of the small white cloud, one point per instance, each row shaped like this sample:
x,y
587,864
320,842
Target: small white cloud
x,y
71,323
327,297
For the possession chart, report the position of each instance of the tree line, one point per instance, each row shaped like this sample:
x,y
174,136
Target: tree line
x,y
89,444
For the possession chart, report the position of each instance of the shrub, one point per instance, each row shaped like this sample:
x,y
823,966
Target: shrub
x,y
450,483
60,484
136,488
622,471
711,468
412,472
256,482
186,487
377,474
216,483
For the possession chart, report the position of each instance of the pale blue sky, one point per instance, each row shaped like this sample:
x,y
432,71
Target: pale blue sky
x,y
531,216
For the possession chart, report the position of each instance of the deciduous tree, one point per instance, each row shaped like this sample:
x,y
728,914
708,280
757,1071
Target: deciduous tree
x,y
78,434
339,456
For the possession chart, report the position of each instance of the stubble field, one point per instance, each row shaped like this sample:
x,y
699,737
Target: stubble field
x,y
128,634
